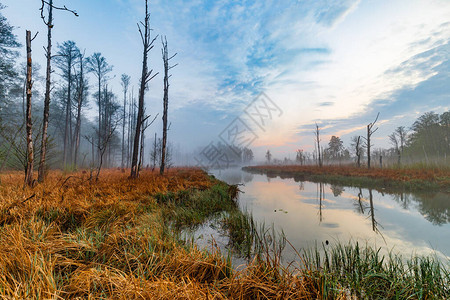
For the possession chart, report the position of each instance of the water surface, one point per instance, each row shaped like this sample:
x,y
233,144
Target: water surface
x,y
310,213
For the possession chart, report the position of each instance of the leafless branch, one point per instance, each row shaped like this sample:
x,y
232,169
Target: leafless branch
x,y
44,2
35,36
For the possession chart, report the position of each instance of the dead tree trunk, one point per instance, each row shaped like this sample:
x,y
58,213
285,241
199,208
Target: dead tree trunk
x,y
146,76
48,54
370,131
125,83
79,105
358,151
130,127
154,154
319,156
67,130
166,58
141,151
368,146
29,125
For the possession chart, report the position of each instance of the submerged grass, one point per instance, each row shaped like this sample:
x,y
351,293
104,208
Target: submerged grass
x,y
119,238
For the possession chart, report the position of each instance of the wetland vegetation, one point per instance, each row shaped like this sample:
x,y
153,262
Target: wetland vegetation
x,y
120,238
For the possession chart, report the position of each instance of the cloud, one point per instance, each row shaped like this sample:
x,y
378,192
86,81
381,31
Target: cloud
x,y
329,13
326,103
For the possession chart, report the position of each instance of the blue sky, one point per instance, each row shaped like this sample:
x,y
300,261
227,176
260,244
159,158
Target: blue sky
x,y
336,63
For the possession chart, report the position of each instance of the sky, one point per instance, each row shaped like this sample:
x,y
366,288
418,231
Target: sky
x,y
273,68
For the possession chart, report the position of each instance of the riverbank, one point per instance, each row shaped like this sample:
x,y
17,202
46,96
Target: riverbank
x,y
401,179
118,238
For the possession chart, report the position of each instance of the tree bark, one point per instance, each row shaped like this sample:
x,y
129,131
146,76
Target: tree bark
x,y
79,105
165,106
41,170
145,78
368,146
29,125
369,135
358,151
67,131
317,133
125,83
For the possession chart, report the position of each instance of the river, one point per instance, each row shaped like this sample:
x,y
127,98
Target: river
x,y
318,213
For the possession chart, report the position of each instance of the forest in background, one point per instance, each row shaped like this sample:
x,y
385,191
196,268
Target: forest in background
x,y
56,106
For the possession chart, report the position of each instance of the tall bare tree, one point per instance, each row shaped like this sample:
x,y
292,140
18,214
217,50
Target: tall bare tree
x,y
154,153
319,156
356,143
131,126
67,58
48,55
97,64
368,144
29,124
81,95
146,76
125,82
167,67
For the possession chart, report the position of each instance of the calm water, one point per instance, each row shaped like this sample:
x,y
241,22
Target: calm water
x,y
310,213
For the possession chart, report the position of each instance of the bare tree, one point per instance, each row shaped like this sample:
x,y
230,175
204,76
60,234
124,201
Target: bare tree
x,y
300,156
319,156
356,142
146,76
131,125
81,91
29,124
125,82
368,144
268,156
66,59
398,140
166,59
48,55
154,154
144,126
97,64
101,148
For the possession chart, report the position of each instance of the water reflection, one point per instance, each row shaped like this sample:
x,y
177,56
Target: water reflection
x,y
233,176
433,206
317,212
336,189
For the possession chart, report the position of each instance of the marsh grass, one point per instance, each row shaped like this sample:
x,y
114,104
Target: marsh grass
x,y
119,239
365,273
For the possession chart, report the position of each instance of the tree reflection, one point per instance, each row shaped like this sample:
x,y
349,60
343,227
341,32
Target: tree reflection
x,y
404,200
434,207
321,195
301,186
361,208
337,189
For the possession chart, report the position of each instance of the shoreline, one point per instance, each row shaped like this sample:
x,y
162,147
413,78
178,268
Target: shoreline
x,y
394,180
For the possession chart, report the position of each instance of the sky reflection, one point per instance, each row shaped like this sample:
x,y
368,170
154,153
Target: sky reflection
x,y
311,213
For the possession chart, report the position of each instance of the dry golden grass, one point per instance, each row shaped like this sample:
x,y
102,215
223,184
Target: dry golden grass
x,y
72,238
